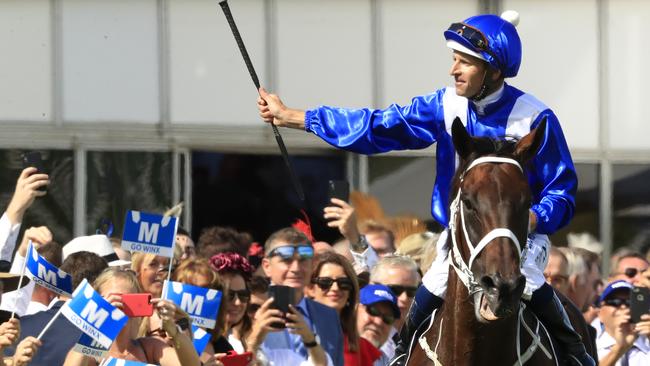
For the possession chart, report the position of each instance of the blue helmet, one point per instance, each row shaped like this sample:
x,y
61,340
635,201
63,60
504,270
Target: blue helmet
x,y
488,37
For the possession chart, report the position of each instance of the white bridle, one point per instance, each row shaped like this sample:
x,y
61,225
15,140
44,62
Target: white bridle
x,y
464,270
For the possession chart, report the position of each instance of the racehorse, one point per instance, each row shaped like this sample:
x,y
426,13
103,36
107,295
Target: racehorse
x,y
483,321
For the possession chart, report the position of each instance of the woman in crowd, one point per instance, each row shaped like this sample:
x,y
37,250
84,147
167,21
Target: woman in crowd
x,y
151,271
235,271
197,272
175,349
334,283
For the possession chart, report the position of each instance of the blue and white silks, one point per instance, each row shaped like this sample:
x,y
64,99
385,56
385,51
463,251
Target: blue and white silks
x,y
428,119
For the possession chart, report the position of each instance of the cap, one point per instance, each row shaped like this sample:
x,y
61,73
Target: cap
x,y
98,244
615,286
374,293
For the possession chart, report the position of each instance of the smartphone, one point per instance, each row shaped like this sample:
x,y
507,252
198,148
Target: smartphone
x,y
639,303
282,297
338,189
137,305
34,159
234,359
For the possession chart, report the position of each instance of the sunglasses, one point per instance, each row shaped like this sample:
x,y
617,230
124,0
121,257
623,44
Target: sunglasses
x,y
616,302
475,37
388,319
325,283
287,252
399,290
243,295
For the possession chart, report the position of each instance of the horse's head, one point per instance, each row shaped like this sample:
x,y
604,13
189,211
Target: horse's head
x,y
489,218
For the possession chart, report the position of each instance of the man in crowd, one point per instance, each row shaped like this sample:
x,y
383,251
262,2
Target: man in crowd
x,y
62,335
288,262
629,267
584,277
379,237
400,274
376,315
619,341
557,271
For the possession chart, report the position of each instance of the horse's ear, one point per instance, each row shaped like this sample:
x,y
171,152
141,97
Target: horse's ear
x,y
462,140
527,147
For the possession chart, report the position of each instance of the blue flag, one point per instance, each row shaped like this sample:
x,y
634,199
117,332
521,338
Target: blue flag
x,y
95,316
200,338
149,233
202,304
119,362
46,274
90,347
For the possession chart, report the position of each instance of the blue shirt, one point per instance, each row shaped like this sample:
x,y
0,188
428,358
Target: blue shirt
x,y
324,323
428,119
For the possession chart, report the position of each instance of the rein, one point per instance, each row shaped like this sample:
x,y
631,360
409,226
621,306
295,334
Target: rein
x,y
464,269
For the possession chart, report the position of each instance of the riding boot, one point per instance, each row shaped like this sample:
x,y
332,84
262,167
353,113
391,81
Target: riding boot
x,y
422,307
548,308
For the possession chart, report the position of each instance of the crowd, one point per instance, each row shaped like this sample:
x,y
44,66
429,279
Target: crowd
x,y
350,298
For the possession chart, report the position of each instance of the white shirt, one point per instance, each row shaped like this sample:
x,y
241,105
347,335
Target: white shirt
x,y
388,348
8,237
638,355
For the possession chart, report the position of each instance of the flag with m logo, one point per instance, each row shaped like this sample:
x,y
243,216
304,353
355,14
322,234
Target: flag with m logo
x,y
45,274
95,316
200,303
149,233
90,347
200,338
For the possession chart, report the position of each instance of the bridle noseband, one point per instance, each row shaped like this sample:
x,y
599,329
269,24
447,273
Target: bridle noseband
x,y
462,269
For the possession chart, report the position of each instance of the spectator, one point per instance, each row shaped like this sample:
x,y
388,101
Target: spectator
x,y
184,240
197,272
175,349
629,267
557,271
583,280
376,315
401,275
619,341
62,335
333,283
259,287
32,298
379,237
288,262
215,240
235,270
151,270
26,349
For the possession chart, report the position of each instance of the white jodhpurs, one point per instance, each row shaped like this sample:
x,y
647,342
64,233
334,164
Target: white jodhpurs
x,y
534,258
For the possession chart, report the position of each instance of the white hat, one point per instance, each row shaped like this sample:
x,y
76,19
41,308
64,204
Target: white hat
x,y
98,244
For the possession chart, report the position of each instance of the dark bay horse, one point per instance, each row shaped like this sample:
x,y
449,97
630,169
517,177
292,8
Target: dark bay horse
x,y
483,321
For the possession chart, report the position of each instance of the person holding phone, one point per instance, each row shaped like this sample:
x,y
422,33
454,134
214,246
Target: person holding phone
x,y
619,341
311,332
176,349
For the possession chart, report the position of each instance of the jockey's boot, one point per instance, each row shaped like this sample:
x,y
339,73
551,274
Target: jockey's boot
x,y
422,307
547,306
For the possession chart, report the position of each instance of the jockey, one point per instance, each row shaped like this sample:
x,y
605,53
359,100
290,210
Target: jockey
x,y
486,50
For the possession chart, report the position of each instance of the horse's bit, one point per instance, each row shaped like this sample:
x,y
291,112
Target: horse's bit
x,y
462,269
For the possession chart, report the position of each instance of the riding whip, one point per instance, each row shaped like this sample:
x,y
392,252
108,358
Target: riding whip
x,y
251,71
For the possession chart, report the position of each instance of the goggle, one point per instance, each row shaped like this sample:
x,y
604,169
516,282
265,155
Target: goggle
x,y
399,290
243,295
325,283
475,37
617,302
388,319
286,252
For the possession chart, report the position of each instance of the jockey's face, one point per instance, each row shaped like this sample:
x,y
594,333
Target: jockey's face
x,y
469,73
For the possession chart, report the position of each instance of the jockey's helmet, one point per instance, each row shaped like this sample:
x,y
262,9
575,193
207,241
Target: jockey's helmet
x,y
491,38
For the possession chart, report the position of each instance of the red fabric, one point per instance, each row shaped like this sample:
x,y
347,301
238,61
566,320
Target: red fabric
x,y
304,226
365,356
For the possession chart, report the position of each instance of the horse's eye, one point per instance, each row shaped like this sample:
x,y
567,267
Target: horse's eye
x,y
468,205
